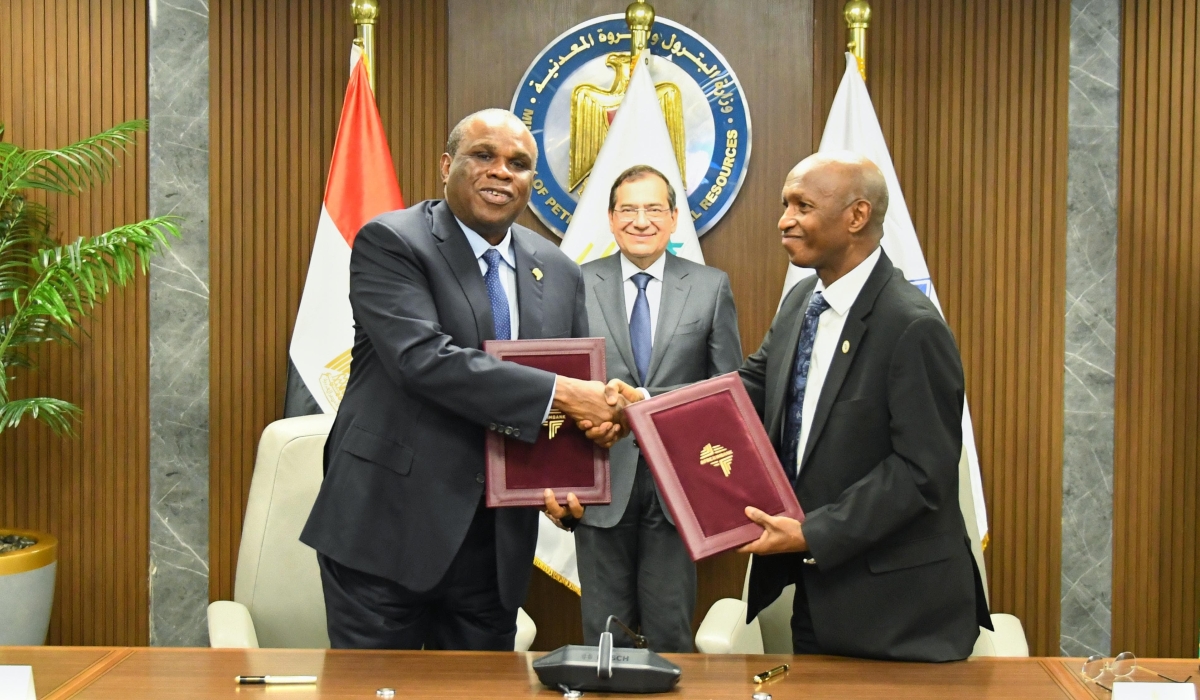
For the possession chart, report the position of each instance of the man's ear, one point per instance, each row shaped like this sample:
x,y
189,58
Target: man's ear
x,y
446,160
860,215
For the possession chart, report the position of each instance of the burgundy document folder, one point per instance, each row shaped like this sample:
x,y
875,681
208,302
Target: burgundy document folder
x,y
563,458
711,458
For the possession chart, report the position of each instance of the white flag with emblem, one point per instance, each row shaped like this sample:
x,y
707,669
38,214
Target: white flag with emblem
x,y
853,126
638,136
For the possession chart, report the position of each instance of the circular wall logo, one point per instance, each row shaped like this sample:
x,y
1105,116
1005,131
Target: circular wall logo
x,y
570,94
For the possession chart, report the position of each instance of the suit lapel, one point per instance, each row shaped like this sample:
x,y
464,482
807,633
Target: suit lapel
x,y
529,286
675,290
779,373
852,334
452,244
611,298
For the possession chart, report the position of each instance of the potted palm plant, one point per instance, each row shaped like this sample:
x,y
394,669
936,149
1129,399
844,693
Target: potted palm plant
x,y
47,286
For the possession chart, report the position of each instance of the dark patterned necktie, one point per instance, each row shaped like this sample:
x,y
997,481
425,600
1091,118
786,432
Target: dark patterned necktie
x,y
639,327
795,406
500,316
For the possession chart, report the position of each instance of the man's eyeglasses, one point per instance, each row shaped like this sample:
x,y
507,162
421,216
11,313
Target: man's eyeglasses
x,y
1121,667
628,214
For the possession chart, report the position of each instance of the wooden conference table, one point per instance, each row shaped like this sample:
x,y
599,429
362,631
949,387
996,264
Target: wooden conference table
x,y
135,673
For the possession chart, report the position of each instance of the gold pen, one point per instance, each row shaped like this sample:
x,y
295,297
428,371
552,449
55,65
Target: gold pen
x,y
275,680
767,675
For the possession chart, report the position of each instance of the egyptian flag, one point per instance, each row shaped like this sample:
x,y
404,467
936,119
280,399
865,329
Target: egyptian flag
x,y
362,185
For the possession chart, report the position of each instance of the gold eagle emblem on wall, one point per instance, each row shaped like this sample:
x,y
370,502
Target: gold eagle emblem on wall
x,y
717,456
593,108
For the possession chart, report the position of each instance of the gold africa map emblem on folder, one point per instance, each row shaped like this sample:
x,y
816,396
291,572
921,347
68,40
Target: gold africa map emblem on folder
x,y
717,456
554,421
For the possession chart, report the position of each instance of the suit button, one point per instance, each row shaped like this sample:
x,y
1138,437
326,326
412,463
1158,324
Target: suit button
x,y
508,431
492,426
516,432
479,478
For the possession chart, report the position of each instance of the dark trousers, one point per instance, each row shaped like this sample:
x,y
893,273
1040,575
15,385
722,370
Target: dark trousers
x,y
804,639
462,612
639,571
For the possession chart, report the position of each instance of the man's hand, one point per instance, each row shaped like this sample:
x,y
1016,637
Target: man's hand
x,y
779,534
595,408
618,394
557,514
630,394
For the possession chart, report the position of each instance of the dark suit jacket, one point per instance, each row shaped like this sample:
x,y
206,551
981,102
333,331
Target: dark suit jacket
x,y
894,577
696,338
404,463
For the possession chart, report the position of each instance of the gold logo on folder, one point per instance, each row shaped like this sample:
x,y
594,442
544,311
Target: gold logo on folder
x,y
717,456
555,421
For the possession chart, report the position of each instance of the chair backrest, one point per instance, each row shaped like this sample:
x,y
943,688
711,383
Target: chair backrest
x,y
277,576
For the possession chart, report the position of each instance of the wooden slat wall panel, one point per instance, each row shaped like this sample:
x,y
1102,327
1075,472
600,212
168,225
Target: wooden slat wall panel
x,y
279,71
972,97
70,68
1156,591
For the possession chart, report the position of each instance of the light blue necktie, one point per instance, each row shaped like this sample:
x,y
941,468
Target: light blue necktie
x,y
639,327
795,414
500,318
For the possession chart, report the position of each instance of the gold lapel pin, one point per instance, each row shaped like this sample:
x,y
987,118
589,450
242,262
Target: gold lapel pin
x,y
845,346
537,274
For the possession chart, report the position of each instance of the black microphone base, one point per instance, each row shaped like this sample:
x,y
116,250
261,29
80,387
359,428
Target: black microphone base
x,y
633,670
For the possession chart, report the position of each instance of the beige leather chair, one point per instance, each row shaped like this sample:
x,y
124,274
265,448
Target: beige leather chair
x,y
724,629
277,598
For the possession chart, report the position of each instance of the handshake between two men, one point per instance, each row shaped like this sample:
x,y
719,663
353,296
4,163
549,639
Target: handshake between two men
x,y
599,411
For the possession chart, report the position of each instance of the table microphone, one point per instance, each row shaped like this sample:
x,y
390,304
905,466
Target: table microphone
x,y
604,668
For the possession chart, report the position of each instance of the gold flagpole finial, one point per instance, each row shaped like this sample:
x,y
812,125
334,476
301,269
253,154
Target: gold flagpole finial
x,y
366,15
858,18
640,18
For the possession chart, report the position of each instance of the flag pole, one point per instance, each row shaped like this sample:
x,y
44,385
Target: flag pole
x,y
365,14
640,18
858,18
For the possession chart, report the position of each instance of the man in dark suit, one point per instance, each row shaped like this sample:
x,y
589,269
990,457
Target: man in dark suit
x,y
409,555
667,322
860,386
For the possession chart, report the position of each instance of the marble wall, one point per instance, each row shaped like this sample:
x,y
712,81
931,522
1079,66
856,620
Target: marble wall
x,y
179,325
1094,111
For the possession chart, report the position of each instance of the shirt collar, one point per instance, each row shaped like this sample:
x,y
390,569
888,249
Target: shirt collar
x,y
842,294
656,269
479,245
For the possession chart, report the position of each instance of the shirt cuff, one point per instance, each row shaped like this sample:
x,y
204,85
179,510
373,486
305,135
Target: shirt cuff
x,y
645,392
550,403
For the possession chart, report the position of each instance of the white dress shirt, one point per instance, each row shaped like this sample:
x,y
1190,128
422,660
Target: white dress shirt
x,y
508,273
653,293
653,288
508,280
841,295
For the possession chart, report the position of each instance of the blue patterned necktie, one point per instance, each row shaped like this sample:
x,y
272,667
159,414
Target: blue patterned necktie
x,y
639,326
495,290
795,413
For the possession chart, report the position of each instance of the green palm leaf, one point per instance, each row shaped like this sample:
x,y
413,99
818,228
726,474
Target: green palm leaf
x,y
56,413
47,288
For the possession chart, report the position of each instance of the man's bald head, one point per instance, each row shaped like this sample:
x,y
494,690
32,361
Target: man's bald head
x,y
834,206
848,177
492,116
